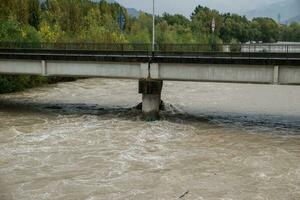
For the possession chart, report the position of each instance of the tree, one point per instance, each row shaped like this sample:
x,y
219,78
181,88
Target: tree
x,y
269,29
235,27
175,20
13,31
34,13
10,31
255,32
51,33
290,32
202,21
140,29
22,13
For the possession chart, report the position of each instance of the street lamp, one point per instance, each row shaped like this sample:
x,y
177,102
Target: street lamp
x,y
153,27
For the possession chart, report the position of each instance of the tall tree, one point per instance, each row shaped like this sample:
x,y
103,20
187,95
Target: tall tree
x,y
269,29
34,10
235,27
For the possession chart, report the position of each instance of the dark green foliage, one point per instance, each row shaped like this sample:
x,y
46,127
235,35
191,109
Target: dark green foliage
x,y
235,27
202,18
268,28
14,83
34,13
175,20
290,33
10,31
11,83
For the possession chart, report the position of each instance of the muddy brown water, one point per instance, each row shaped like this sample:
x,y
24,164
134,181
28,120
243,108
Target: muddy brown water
x,y
84,140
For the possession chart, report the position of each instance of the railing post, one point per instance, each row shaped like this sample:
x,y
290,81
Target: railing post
x,y
249,52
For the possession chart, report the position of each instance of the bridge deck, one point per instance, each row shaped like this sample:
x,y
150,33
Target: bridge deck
x,y
216,66
249,58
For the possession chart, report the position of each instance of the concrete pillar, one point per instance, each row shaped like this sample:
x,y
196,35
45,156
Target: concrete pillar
x,y
276,75
151,91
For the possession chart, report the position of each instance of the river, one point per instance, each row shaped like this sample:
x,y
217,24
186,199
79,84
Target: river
x,y
83,140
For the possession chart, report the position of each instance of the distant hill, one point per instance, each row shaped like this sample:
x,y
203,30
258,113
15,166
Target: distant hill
x,y
133,12
287,10
294,19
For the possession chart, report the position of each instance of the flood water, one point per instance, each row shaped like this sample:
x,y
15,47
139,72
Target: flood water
x,y
84,140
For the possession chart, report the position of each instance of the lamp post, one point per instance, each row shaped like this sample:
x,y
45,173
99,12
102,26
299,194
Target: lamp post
x,y
153,27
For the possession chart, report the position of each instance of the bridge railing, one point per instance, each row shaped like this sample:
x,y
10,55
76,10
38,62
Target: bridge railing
x,y
159,48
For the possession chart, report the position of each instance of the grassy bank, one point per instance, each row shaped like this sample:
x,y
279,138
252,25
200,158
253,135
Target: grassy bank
x,y
15,83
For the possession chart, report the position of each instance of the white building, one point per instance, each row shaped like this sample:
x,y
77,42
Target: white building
x,y
279,47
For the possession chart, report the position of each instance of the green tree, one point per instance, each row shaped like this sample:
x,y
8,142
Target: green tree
x,y
255,32
268,28
201,23
34,13
51,33
140,29
13,31
290,32
235,27
175,20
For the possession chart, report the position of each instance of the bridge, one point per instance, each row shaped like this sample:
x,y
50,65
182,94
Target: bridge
x,y
176,62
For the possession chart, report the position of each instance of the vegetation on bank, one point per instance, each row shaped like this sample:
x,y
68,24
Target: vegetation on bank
x,y
13,83
84,21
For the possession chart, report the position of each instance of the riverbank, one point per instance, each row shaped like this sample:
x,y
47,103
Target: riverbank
x,y
16,83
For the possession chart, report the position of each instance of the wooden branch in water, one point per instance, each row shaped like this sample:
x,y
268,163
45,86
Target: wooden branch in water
x,y
183,195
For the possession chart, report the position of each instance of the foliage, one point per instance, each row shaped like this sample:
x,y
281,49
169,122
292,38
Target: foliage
x,y
34,11
13,31
97,21
290,33
235,27
268,28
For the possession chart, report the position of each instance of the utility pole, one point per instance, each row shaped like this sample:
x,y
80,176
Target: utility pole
x,y
153,27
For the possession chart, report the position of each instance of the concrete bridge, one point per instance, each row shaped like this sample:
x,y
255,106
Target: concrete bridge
x,y
151,68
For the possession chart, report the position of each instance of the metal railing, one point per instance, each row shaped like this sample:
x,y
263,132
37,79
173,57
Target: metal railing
x,y
159,48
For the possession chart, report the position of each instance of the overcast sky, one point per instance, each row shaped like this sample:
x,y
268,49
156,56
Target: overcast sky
x,y
186,7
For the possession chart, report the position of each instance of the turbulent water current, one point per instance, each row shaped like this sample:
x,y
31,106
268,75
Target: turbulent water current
x,y
84,140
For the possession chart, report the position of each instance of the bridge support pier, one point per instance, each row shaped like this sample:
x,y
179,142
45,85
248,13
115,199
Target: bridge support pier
x,y
151,91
